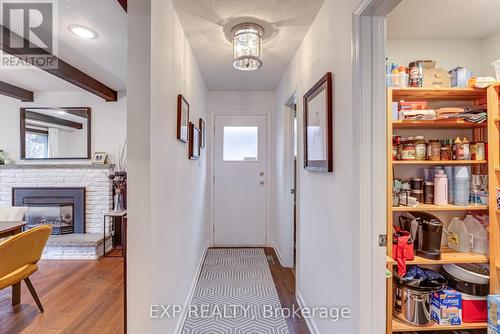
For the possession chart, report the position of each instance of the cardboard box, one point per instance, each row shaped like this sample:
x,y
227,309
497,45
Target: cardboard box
x,y
435,77
493,314
446,307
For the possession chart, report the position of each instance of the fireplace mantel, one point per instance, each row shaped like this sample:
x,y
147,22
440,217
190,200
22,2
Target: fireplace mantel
x,y
56,166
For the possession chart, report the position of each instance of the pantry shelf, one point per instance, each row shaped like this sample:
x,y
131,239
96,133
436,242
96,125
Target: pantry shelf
x,y
443,94
438,124
430,207
450,256
398,326
439,162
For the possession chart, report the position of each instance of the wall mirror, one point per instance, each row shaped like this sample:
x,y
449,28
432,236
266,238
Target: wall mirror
x,y
318,126
55,133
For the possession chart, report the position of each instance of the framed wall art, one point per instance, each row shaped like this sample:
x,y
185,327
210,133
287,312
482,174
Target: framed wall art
x,y
318,126
194,142
203,137
182,119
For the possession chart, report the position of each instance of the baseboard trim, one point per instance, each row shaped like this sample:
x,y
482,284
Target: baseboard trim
x,y
311,325
182,320
278,254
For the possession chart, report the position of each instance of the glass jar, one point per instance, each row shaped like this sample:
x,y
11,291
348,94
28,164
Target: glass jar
x,y
420,148
435,150
3,156
408,152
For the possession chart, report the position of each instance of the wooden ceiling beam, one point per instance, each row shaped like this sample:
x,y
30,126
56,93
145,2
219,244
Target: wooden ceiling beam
x,y
53,120
63,71
16,92
123,3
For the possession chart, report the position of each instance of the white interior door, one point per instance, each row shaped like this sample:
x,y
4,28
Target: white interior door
x,y
240,194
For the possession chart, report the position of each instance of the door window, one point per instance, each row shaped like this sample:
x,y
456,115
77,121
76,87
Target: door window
x,y
240,143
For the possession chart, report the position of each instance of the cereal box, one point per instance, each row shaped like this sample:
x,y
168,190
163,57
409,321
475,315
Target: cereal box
x,y
446,307
493,314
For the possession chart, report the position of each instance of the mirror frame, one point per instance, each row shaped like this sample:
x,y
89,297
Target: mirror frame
x,y
67,109
324,84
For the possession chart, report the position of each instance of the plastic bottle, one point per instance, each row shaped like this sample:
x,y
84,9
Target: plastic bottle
x,y
466,149
479,235
440,188
449,174
457,149
459,237
461,186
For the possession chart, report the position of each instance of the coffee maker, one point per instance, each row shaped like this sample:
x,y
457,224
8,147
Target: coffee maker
x,y
426,231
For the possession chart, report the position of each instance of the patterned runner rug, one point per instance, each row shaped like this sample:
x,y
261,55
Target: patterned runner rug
x,y
235,295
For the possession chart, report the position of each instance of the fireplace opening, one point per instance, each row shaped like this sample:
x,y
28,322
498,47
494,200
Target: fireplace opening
x,y
60,216
63,208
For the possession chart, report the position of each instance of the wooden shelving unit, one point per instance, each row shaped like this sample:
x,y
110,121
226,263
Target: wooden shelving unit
x,y
440,124
430,207
486,132
398,326
439,163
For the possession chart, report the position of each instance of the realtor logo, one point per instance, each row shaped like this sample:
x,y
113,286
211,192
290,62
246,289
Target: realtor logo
x,y
28,35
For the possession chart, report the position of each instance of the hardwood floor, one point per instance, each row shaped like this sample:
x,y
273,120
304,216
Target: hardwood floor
x,y
78,297
284,279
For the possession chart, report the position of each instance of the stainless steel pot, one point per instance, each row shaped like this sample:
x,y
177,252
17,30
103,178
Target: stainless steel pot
x,y
412,306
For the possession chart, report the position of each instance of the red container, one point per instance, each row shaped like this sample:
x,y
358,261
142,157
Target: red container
x,y
474,308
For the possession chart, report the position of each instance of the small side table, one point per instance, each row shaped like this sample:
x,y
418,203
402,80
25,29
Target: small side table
x,y
115,221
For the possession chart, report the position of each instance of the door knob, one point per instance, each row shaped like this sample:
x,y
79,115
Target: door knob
x,y
261,173
261,183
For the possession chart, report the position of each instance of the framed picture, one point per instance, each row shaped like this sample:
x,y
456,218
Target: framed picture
x,y
203,136
99,158
194,142
318,126
182,119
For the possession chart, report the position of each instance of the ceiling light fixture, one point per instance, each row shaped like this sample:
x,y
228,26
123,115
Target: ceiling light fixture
x,y
82,31
247,46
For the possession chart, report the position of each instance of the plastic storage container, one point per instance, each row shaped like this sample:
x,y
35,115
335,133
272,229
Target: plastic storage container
x,y
459,237
461,186
440,188
474,308
479,235
496,64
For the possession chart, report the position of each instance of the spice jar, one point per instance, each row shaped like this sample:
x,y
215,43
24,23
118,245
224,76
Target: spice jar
x,y
435,150
408,152
396,141
446,153
420,148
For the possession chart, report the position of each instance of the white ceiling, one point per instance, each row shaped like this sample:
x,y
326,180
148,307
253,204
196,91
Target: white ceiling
x,y
104,58
204,22
441,19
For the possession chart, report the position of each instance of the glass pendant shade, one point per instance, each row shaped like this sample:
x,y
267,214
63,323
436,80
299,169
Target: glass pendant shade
x,y
247,46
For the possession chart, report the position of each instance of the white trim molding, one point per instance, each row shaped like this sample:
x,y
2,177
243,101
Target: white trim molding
x,y
182,319
311,325
370,123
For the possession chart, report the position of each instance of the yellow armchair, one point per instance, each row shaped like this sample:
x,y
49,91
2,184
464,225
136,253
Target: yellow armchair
x,y
18,260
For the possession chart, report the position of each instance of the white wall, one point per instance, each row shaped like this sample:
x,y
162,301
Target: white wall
x,y
109,121
168,205
326,273
474,54
490,51
449,53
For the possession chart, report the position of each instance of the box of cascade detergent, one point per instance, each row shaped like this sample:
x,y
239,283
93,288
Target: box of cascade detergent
x,y
446,307
494,314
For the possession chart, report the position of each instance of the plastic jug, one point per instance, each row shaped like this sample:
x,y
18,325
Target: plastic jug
x,y
479,235
459,237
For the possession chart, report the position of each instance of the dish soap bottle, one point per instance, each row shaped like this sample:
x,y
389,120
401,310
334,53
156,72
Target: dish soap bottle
x,y
459,237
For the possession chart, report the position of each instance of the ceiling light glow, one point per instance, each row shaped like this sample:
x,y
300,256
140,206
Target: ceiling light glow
x,y
82,31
